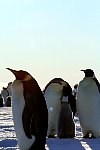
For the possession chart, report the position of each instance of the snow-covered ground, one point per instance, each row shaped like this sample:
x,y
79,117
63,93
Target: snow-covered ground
x,y
8,140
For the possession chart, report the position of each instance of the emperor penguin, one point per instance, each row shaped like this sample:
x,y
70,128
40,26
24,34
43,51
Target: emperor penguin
x,y
30,114
88,104
66,126
53,94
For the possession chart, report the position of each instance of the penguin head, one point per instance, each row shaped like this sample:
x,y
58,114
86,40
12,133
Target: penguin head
x,y
56,84
21,75
67,90
88,73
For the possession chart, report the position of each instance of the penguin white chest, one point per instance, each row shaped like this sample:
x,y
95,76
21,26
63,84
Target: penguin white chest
x,y
88,105
18,104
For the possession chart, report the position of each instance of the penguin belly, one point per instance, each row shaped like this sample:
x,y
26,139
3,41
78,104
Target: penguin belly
x,y
53,105
18,104
88,105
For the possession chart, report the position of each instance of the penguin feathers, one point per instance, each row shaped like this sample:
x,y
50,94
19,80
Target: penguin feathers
x,y
34,113
88,104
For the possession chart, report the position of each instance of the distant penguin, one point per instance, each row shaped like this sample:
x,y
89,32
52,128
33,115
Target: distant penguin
x,y
88,104
1,101
30,112
53,94
4,94
8,101
66,126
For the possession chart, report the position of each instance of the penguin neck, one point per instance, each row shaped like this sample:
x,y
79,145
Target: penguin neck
x,y
31,85
27,78
87,76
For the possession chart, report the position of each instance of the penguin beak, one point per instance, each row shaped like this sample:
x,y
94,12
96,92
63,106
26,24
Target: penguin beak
x,y
13,71
83,70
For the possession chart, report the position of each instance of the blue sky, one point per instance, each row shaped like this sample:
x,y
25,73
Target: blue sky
x,y
49,38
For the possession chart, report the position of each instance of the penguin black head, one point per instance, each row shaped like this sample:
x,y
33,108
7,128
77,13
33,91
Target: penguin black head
x,y
20,75
88,73
67,90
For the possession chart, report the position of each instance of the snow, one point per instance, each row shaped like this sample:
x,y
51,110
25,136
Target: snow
x,y
8,139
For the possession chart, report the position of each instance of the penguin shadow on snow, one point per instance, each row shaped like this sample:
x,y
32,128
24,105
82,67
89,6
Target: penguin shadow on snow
x,y
8,143
92,144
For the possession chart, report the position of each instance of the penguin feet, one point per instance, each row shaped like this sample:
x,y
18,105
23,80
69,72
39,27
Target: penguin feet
x,y
90,136
71,136
63,137
39,144
37,147
51,136
66,136
86,136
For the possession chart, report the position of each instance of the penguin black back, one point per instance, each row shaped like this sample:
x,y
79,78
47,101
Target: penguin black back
x,y
34,93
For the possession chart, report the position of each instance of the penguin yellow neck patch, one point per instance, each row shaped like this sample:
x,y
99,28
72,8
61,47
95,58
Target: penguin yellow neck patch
x,y
27,78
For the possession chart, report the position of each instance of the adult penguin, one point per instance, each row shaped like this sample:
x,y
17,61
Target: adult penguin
x,y
53,94
88,104
30,112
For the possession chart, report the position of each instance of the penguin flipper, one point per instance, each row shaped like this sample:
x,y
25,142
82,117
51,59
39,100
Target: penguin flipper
x,y
26,117
97,83
35,125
